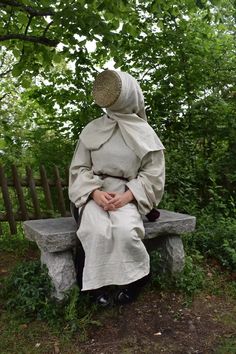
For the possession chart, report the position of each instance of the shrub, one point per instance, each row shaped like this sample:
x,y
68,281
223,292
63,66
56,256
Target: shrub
x,y
189,281
16,244
27,292
215,238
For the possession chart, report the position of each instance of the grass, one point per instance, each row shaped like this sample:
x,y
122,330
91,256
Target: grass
x,y
228,346
34,338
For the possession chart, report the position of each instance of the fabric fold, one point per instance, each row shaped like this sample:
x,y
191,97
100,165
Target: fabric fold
x,y
128,112
82,181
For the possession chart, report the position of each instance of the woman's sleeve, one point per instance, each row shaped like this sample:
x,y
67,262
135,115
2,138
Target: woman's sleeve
x,y
148,187
82,181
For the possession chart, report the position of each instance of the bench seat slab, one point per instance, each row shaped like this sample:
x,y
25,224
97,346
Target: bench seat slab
x,y
59,234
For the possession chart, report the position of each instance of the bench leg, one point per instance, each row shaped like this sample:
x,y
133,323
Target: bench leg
x,y
171,250
61,270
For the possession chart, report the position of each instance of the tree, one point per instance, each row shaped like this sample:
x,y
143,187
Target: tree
x,y
185,60
32,30
183,54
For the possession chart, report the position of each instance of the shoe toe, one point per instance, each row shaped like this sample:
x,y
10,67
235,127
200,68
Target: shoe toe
x,y
123,297
103,301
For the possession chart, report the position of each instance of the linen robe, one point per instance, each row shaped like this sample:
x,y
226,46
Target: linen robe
x,y
112,240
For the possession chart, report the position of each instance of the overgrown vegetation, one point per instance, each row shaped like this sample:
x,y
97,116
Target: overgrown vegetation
x,y
215,238
16,244
191,280
27,292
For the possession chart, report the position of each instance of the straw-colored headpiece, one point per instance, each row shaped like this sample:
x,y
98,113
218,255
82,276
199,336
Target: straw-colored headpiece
x,y
121,95
107,88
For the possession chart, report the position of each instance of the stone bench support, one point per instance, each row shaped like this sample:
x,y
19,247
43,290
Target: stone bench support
x,y
56,239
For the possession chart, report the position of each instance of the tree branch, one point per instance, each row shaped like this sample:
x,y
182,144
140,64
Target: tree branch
x,y
28,24
1,98
46,28
32,11
42,40
26,30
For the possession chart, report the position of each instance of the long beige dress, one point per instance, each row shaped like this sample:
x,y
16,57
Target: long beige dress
x,y
112,240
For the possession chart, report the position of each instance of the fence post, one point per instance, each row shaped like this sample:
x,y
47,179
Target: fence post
x,y
19,191
7,202
46,188
60,192
32,187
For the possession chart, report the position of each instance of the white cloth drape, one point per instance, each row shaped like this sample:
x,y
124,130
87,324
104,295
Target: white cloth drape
x,y
114,252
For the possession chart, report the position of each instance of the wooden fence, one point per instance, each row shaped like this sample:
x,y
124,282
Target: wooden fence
x,y
30,196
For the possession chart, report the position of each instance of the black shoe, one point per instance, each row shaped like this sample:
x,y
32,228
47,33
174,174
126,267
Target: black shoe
x,y
124,296
131,291
103,300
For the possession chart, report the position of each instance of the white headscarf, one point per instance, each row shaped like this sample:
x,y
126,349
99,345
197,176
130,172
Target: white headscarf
x,y
129,113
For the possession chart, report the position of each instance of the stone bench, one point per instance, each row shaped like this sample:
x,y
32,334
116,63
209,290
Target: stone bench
x,y
56,239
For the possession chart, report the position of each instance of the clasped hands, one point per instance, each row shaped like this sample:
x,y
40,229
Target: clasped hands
x,y
111,201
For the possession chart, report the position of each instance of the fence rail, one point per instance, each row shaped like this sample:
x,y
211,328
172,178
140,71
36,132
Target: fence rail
x,y
31,197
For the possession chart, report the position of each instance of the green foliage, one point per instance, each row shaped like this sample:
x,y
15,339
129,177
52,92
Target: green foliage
x,y
227,346
186,73
27,292
34,31
184,57
78,311
16,244
11,243
192,279
215,237
189,281
28,289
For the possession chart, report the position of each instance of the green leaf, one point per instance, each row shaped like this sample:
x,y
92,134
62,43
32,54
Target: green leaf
x,y
2,143
23,18
57,58
26,82
17,70
16,52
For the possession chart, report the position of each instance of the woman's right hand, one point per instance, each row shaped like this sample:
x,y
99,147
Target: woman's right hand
x,y
102,198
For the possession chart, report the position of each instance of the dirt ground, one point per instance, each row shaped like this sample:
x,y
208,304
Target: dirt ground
x,y
158,322
161,323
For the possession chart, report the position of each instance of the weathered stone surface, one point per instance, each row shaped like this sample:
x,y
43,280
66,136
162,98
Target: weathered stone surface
x,y
61,271
169,223
54,235
172,251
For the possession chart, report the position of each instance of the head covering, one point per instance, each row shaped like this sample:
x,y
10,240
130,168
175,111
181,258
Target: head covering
x,y
107,88
127,111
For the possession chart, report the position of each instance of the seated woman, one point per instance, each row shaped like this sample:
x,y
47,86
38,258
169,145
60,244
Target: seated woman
x,y
116,175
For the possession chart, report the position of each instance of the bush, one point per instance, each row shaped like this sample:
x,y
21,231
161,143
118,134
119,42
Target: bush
x,y
16,244
189,281
215,238
27,292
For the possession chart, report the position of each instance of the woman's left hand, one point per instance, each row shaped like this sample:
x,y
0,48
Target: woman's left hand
x,y
120,199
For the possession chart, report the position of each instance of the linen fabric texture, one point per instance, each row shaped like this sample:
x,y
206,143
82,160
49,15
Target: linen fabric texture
x,y
119,144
